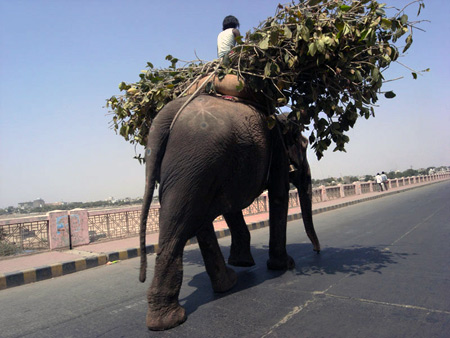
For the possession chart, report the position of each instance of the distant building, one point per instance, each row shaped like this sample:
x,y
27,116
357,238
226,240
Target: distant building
x,y
56,204
37,203
25,205
111,200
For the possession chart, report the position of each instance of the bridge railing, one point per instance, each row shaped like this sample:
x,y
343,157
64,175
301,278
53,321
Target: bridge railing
x,y
23,234
59,229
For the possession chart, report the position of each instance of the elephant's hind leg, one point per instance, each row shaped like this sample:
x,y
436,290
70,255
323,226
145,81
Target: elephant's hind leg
x,y
222,277
164,311
240,254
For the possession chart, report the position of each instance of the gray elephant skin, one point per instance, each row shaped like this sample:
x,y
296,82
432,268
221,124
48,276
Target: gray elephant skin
x,y
215,159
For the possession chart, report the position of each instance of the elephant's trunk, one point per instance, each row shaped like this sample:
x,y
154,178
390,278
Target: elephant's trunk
x,y
302,181
306,205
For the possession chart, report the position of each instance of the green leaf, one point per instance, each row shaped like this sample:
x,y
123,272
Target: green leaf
x,y
267,69
312,49
287,32
404,19
160,105
386,24
346,30
291,62
389,95
320,44
124,86
304,32
314,2
380,12
345,8
271,121
264,44
365,34
414,75
240,86
375,74
409,41
420,8
274,37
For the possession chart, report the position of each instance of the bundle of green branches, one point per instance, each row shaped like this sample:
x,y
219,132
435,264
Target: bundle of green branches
x,y
322,58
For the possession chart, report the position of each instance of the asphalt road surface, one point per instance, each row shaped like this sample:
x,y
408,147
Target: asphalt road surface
x,y
384,271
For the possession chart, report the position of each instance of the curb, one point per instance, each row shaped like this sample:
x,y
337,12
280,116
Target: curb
x,y
18,278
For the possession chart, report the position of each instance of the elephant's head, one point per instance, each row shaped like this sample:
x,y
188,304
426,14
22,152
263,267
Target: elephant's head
x,y
295,144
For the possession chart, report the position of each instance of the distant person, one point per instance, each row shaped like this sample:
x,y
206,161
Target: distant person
x,y
226,39
384,179
379,181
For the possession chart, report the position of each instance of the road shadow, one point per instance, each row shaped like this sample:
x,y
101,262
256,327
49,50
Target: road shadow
x,y
355,260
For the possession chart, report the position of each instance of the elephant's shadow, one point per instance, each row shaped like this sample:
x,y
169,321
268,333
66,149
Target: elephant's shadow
x,y
355,260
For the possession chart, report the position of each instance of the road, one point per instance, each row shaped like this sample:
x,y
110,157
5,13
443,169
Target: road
x,y
384,271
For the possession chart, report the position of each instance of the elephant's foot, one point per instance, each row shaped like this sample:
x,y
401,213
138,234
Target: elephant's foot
x,y
286,263
226,283
243,260
164,320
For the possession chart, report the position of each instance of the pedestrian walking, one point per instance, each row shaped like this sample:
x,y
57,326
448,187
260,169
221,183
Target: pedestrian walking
x,y
379,181
384,180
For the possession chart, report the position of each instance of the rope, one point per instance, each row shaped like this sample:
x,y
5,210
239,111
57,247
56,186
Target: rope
x,y
194,94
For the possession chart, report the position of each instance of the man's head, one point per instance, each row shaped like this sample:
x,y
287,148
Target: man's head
x,y
230,22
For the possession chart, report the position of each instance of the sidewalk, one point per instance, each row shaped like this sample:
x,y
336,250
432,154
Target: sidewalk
x,y
40,266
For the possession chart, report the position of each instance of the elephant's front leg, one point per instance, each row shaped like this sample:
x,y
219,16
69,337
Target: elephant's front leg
x,y
278,206
278,257
222,277
164,311
240,254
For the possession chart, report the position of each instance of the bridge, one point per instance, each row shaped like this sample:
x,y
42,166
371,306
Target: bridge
x,y
384,271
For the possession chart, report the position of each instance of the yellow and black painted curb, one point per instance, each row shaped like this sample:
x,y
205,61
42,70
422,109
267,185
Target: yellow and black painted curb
x,y
19,278
37,274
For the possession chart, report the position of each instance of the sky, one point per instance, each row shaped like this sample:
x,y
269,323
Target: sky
x,y
61,60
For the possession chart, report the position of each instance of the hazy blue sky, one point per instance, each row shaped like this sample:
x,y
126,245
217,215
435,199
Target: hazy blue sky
x,y
60,60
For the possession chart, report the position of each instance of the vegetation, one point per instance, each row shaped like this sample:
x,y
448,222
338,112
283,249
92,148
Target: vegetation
x,y
6,249
324,58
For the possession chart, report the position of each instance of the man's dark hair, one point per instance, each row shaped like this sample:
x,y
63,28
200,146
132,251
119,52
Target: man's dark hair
x,y
230,22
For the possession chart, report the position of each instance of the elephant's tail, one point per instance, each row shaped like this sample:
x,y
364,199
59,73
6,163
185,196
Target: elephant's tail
x,y
158,137
148,196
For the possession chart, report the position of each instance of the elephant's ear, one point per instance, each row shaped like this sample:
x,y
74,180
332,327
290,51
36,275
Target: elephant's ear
x,y
304,143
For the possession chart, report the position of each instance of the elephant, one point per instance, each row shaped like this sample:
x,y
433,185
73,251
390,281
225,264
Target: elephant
x,y
213,157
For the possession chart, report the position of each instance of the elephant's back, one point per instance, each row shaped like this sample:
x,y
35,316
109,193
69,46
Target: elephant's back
x,y
214,115
222,145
